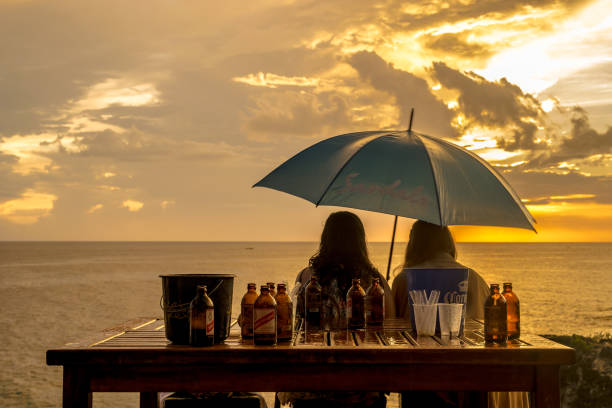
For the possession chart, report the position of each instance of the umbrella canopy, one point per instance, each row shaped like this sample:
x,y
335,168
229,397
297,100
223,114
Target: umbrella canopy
x,y
402,173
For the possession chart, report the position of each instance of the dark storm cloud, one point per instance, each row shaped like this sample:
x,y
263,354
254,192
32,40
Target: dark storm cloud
x,y
493,104
583,142
431,114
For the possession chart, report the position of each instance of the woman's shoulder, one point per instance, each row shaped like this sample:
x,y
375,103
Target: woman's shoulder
x,y
304,275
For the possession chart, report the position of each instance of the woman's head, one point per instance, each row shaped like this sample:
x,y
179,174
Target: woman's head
x,y
426,240
343,242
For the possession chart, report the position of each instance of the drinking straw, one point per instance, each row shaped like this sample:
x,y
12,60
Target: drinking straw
x,y
412,295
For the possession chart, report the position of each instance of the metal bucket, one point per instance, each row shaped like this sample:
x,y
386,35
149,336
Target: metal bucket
x,y
179,290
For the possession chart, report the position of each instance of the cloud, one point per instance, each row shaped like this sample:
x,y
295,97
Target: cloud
x,y
431,114
271,80
493,104
538,184
132,205
305,115
167,204
95,208
29,208
583,142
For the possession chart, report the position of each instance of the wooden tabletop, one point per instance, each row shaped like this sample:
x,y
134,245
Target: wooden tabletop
x,y
143,341
136,357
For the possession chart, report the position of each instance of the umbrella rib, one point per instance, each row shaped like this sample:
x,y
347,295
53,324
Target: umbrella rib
x,y
433,175
507,187
346,164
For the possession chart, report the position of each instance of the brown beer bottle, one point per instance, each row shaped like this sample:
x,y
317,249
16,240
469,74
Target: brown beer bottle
x,y
201,319
272,291
495,317
355,305
513,312
284,313
264,318
246,311
312,305
375,304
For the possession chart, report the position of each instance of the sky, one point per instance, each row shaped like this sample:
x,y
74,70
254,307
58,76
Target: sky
x,y
151,120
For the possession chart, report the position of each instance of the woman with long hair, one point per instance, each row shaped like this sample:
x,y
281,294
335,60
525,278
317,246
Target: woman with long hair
x,y
433,246
342,256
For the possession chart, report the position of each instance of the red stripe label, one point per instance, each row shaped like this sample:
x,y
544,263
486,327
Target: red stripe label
x,y
264,321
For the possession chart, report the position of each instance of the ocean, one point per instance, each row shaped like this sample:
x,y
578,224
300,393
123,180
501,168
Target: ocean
x,y
54,292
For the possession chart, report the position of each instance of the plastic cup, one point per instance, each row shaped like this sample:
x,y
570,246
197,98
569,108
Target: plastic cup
x,y
425,317
450,318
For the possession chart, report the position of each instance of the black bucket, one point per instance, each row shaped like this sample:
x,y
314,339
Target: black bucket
x,y
179,290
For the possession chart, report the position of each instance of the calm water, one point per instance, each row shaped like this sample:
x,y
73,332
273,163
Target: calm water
x,y
52,293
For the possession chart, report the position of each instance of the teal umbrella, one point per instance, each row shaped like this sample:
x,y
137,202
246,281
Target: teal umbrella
x,y
403,173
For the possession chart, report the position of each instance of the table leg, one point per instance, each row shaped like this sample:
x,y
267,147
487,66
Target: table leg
x,y
76,392
149,400
547,392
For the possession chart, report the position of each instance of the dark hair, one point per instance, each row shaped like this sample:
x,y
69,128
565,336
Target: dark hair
x,y
343,252
426,240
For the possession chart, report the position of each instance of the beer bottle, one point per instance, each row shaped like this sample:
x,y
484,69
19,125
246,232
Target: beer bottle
x,y
495,318
246,311
375,304
514,312
272,291
284,312
201,319
264,318
312,306
355,306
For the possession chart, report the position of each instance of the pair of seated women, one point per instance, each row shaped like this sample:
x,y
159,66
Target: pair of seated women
x,y
342,256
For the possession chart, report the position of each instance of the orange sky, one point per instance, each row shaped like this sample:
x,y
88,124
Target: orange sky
x,y
121,121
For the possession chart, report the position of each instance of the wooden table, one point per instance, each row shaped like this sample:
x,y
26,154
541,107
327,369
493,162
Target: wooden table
x,y
140,359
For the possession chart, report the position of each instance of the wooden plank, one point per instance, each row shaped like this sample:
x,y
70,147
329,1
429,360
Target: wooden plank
x,y
314,377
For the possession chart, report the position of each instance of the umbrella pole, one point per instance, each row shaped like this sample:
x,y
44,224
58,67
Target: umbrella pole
x,y
391,249
395,220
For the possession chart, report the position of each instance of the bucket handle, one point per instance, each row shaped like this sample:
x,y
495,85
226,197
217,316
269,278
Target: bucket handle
x,y
184,305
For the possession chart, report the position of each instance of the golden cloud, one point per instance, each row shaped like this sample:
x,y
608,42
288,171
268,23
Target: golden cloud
x,y
28,209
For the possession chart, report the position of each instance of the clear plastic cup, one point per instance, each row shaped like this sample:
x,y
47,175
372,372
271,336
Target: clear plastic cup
x,y
425,317
450,318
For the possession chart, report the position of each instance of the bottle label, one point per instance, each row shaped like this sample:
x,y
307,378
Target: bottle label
x,y
265,321
210,322
247,320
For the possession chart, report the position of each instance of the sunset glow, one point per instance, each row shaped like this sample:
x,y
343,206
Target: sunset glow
x,y
169,124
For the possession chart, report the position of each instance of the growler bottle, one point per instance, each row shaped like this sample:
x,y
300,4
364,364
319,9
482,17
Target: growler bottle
x,y
284,313
312,306
264,318
495,318
355,306
375,304
246,311
201,319
272,291
514,312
